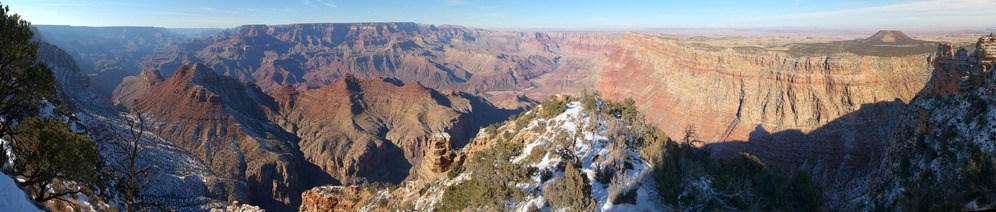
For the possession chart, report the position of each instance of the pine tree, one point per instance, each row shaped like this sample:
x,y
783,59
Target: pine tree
x,y
23,80
49,153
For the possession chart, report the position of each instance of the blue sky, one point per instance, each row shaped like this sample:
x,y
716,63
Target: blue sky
x,y
553,14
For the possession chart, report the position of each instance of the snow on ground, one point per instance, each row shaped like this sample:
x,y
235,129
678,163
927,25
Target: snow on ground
x,y
9,152
13,198
587,148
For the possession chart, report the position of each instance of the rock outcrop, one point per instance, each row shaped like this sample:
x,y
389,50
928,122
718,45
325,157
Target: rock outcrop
x,y
941,156
352,131
372,130
440,154
222,122
179,180
334,198
985,49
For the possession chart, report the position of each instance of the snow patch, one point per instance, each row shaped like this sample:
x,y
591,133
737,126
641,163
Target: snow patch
x,y
13,198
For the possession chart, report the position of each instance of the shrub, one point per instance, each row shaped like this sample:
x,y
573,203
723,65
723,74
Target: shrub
x,y
743,183
553,106
545,174
604,173
456,170
622,194
493,181
571,192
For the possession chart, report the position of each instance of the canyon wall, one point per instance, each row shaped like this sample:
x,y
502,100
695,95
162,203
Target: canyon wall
x,y
831,114
727,93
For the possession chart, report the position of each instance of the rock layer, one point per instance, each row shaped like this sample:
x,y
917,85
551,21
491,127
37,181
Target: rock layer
x,y
222,122
476,61
941,156
372,130
829,114
334,198
728,93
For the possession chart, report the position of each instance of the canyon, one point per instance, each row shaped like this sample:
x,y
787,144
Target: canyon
x,y
272,111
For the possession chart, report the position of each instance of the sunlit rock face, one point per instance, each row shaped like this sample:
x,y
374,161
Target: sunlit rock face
x,y
830,113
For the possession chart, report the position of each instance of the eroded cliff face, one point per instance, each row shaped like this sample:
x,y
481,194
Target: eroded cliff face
x,y
726,93
372,130
941,156
313,55
268,147
498,65
222,122
829,114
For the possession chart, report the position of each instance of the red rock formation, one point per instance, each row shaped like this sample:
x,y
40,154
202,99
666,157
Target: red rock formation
x,y
312,55
440,154
727,93
309,56
371,130
334,198
829,114
222,122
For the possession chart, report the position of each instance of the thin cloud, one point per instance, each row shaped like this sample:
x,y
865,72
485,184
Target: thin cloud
x,y
180,13
283,9
68,4
952,13
920,8
316,3
454,2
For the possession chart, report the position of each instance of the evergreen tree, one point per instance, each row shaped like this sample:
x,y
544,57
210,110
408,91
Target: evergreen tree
x,y
48,152
23,80
52,160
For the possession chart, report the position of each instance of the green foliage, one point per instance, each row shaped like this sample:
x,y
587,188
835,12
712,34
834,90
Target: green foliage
x,y
742,183
604,173
619,193
24,81
493,182
52,160
455,170
553,106
677,164
571,192
806,194
978,178
47,151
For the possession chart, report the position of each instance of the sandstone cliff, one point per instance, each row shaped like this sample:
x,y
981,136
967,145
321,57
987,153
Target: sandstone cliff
x,y
727,93
830,114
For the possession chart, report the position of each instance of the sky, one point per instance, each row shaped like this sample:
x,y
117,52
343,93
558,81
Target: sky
x,y
519,14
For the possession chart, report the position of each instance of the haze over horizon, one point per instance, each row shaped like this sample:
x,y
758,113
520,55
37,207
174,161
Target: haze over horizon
x,y
962,14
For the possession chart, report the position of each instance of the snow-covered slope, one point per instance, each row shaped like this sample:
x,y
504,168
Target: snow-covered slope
x,y
13,198
574,154
592,149
177,180
943,157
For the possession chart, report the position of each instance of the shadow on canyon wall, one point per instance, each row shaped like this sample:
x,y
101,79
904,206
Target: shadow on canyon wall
x,y
838,154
